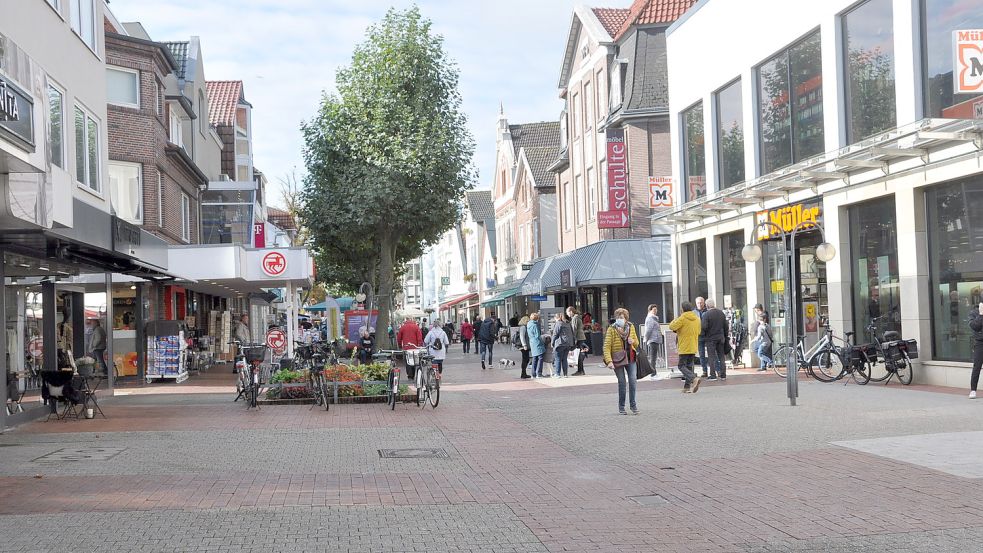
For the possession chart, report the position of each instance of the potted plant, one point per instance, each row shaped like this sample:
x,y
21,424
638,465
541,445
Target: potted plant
x,y
85,365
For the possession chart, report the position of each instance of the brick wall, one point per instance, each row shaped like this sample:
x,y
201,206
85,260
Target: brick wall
x,y
140,136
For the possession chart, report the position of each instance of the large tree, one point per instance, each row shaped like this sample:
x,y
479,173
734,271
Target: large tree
x,y
388,157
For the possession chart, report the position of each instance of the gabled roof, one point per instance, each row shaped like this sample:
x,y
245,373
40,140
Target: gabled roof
x,y
481,205
179,50
583,18
223,99
611,18
540,143
650,12
282,219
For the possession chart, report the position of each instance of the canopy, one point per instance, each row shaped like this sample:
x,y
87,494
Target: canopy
x,y
458,299
410,313
499,299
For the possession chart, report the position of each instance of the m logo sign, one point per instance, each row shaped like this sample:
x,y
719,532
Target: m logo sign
x,y
660,192
968,58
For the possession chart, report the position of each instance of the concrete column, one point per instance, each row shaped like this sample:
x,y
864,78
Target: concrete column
x,y
140,314
715,277
49,330
110,347
839,283
913,273
3,340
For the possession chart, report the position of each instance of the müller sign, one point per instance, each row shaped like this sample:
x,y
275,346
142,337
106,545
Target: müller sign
x,y
789,217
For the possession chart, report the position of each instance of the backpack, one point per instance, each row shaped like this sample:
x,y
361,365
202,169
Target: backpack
x,y
516,340
437,344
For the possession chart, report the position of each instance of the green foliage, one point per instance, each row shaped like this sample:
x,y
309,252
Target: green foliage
x,y
380,389
388,158
373,371
287,376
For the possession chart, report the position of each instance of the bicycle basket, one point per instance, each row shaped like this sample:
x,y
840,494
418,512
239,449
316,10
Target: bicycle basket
x,y
911,347
254,353
412,357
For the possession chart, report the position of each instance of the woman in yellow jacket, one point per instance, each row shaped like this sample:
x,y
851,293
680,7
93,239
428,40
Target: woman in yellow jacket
x,y
687,328
621,337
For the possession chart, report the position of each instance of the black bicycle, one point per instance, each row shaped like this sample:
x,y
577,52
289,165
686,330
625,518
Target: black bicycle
x,y
247,369
889,348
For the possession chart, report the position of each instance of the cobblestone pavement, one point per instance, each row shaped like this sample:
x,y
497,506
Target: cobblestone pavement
x,y
525,466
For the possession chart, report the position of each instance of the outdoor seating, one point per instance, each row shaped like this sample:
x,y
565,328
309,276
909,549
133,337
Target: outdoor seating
x,y
57,387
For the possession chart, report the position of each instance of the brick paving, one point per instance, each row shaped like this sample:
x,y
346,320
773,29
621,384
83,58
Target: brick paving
x,y
532,466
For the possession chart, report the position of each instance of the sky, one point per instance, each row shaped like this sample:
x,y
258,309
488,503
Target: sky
x,y
286,52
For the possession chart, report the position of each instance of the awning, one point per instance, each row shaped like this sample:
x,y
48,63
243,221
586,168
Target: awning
x,y
456,300
532,283
499,298
611,262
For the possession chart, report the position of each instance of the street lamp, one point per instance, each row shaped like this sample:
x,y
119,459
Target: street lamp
x,y
825,252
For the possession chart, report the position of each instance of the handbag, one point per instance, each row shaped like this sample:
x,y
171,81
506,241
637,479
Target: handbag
x,y
620,358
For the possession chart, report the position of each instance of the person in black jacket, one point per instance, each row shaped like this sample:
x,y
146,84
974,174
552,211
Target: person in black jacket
x,y
976,324
714,325
486,340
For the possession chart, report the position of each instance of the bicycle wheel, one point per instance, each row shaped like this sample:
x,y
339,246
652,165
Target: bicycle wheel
x,y
393,389
861,372
433,388
780,360
326,393
827,365
905,372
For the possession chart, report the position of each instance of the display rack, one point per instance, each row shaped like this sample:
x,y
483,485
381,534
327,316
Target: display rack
x,y
165,351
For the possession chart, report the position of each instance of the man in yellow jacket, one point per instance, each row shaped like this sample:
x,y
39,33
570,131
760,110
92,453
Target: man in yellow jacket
x,y
687,328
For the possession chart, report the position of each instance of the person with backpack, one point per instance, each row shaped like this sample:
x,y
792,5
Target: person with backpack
x,y
486,341
536,347
437,342
563,342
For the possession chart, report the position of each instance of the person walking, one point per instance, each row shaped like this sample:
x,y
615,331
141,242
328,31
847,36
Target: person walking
x,y
98,345
714,332
487,334
653,339
701,309
620,354
409,336
763,342
437,343
976,325
467,334
536,347
687,328
524,344
477,326
579,336
562,340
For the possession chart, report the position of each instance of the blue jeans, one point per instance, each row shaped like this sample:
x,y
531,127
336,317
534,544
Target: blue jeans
x,y
537,365
702,345
765,360
560,360
486,348
622,372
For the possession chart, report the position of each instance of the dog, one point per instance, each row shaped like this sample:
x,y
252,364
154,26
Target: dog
x,y
506,363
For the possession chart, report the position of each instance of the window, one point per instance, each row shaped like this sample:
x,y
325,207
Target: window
x,y
563,130
160,199
695,257
56,111
242,173
939,19
185,217
591,195
589,105
202,113
695,153
175,130
86,150
790,105
598,104
603,178
733,270
869,46
577,195
123,87
158,105
83,21
874,252
576,115
126,190
616,84
730,135
566,205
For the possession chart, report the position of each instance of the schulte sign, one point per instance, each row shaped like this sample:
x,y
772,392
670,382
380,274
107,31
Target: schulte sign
x,y
274,264
617,215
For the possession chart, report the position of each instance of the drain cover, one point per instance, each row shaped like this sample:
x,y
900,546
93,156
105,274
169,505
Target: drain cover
x,y
68,454
418,453
650,500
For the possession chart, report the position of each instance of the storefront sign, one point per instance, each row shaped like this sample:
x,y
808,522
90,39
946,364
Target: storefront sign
x,y
276,340
968,61
787,218
527,266
537,298
660,192
777,286
445,281
259,235
274,264
617,214
16,114
566,278
125,233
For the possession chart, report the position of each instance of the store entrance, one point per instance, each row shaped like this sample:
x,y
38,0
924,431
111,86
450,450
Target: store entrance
x,y
809,279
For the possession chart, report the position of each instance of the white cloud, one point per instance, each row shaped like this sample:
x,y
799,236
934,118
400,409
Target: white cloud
x,y
287,52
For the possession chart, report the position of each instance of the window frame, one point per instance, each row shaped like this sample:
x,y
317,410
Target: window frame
x,y
139,190
88,118
75,18
136,85
684,127
567,226
63,153
847,77
185,217
718,133
175,128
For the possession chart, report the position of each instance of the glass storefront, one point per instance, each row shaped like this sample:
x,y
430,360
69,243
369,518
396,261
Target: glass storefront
x,y
695,258
734,271
868,34
940,18
227,217
955,233
874,251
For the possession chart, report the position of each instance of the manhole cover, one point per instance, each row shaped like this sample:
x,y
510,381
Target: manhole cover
x,y
418,453
650,500
80,454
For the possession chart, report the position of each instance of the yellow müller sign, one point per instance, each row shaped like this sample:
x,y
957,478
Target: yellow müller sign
x,y
787,218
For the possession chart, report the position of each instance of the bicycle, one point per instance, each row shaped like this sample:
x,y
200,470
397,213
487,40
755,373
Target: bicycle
x,y
392,379
248,383
823,355
895,353
317,387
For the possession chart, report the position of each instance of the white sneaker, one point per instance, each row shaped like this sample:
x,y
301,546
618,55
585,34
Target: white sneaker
x,y
972,394
654,377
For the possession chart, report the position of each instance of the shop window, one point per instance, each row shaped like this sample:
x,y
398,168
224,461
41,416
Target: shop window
x,y
874,253
868,36
733,269
940,18
86,150
955,232
696,265
695,153
730,134
126,190
56,111
123,87
790,105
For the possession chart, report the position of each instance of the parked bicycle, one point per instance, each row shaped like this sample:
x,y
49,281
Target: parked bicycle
x,y
889,348
317,385
248,372
823,355
427,379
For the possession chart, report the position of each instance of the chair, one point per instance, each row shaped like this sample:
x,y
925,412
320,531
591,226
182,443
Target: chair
x,y
89,393
56,387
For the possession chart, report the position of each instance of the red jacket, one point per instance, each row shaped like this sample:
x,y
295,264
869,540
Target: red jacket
x,y
467,331
409,334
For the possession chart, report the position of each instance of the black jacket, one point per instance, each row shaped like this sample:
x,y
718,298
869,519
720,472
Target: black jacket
x,y
976,324
487,331
714,325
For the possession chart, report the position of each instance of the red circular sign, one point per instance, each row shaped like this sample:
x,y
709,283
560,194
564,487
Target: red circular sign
x,y
35,347
274,264
276,339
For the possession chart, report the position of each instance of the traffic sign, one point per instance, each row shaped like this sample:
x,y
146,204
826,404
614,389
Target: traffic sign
x,y
274,264
36,347
276,339
612,219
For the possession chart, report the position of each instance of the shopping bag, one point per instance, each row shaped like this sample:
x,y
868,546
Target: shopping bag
x,y
644,368
572,357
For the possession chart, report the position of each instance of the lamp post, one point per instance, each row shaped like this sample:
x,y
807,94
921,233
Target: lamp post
x,y
824,252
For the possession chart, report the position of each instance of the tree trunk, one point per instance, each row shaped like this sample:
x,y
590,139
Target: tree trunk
x,y
384,292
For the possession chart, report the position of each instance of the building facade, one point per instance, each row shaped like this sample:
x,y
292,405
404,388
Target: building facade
x,y
856,123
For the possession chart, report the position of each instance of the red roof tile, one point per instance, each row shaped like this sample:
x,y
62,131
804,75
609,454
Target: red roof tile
x,y
223,98
611,18
647,12
282,219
